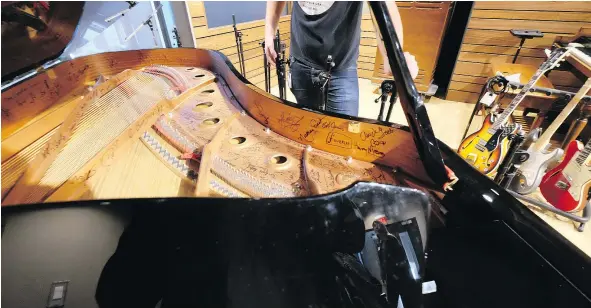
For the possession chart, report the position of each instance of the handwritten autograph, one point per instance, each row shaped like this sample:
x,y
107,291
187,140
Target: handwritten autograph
x,y
338,140
260,110
376,133
308,136
289,121
322,123
371,150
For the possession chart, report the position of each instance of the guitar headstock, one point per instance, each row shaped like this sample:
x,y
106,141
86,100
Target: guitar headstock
x,y
557,56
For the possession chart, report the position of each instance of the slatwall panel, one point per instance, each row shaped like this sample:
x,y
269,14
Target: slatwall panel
x,y
488,39
222,39
367,48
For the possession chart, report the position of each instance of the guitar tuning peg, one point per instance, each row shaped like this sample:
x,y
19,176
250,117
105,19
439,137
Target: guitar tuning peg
x,y
547,52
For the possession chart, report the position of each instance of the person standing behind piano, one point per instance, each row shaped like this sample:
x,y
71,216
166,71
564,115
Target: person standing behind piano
x,y
319,29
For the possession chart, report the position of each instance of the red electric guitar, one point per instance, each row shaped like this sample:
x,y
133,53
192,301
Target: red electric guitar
x,y
566,187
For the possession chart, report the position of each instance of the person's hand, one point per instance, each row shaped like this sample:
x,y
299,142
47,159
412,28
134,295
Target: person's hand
x,y
411,62
270,49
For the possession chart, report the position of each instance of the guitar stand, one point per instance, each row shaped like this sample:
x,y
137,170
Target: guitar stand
x,y
388,87
508,170
496,80
515,156
516,86
239,49
581,220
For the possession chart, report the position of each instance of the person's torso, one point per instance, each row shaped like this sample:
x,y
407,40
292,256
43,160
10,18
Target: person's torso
x,y
322,28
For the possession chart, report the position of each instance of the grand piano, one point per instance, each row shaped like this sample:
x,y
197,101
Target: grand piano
x,y
164,178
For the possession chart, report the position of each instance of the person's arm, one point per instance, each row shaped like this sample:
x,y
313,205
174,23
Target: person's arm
x,y
410,59
274,9
395,14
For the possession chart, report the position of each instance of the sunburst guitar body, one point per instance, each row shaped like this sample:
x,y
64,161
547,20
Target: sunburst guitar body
x,y
486,148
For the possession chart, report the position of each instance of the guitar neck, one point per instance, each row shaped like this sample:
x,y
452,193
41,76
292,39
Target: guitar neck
x,y
518,99
556,56
545,138
582,157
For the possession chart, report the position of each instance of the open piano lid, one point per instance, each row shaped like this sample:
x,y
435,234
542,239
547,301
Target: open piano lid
x,y
34,33
468,197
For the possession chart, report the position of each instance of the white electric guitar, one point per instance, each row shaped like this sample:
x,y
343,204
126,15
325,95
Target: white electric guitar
x,y
530,172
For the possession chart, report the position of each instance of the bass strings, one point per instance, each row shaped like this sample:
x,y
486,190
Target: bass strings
x,y
106,118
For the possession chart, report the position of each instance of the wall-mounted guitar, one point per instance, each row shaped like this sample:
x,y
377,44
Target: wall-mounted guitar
x,y
566,187
486,148
531,171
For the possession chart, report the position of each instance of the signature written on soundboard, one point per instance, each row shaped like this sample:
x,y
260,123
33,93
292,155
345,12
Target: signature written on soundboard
x,y
372,149
323,123
308,135
378,133
289,121
265,118
338,140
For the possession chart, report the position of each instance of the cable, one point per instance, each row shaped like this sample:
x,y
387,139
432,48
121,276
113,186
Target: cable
x,y
497,81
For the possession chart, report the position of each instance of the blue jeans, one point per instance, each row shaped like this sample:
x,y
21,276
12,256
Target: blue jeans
x,y
343,88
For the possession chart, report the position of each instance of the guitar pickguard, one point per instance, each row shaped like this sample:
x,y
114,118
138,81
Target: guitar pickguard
x,y
531,171
577,176
494,140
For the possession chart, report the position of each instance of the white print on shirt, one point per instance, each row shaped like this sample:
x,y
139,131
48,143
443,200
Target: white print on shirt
x,y
315,7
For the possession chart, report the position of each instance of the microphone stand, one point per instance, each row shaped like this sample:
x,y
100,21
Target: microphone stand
x,y
239,50
280,66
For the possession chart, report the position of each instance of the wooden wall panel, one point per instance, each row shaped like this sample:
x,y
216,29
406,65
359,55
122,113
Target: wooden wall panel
x,y
367,48
533,15
544,6
424,25
488,40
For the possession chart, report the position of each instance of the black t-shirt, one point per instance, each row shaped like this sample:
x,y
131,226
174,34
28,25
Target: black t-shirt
x,y
322,28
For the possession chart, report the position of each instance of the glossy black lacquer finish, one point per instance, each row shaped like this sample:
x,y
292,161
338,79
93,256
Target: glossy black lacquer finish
x,y
475,197
303,252
411,101
299,252
21,52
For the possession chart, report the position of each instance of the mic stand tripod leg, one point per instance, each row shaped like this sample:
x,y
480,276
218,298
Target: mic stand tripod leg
x,y
393,98
384,98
